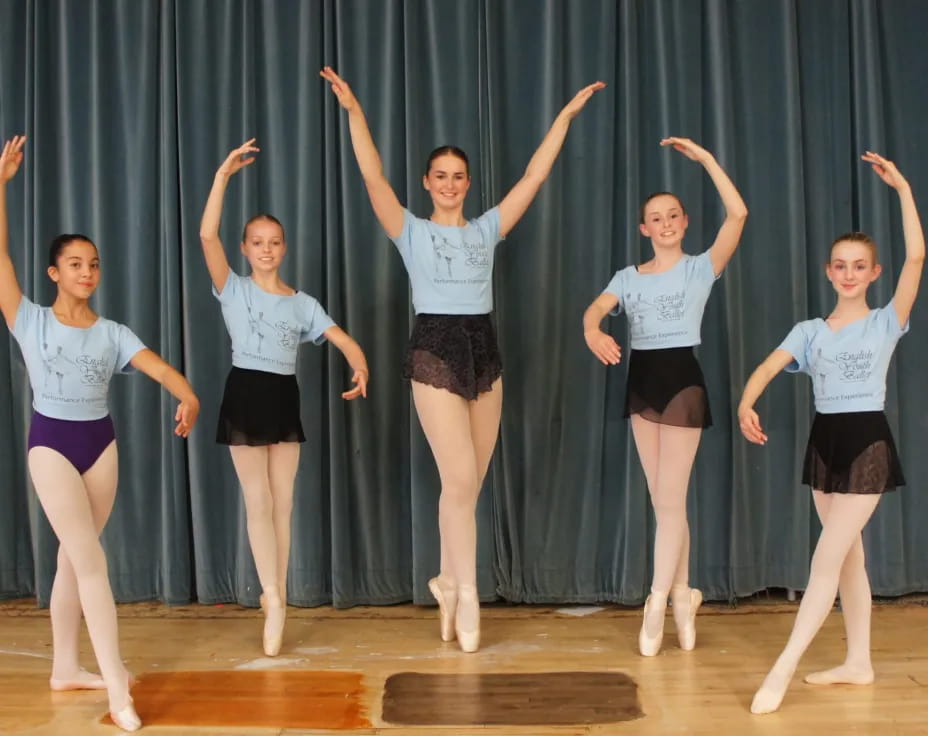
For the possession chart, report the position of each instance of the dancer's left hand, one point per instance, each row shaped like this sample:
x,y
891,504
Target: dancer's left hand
x,y
186,416
688,148
359,379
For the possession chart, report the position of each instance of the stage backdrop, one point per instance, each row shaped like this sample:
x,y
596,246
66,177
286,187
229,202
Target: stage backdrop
x,y
131,106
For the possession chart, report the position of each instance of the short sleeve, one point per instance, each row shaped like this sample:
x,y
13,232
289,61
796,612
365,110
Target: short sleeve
x,y
796,344
316,321
616,287
27,315
127,346
701,269
403,241
488,224
230,290
889,320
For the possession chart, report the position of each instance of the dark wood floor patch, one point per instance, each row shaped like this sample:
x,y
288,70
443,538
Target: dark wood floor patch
x,y
523,699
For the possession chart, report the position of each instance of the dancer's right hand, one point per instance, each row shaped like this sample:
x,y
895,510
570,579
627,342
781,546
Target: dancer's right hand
x,y
234,161
340,87
750,426
603,346
11,157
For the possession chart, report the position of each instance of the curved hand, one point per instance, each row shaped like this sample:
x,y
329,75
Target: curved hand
x,y
360,379
580,99
186,417
886,170
688,148
750,427
11,157
340,87
234,161
603,346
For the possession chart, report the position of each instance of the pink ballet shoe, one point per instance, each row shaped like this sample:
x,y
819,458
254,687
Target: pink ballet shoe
x,y
127,719
684,616
84,681
649,646
447,604
469,641
275,614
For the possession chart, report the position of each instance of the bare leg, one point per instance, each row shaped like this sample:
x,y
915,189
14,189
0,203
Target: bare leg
x,y
847,516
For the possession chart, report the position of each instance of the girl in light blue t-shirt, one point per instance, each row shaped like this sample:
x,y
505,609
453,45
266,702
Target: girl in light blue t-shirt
x,y
851,457
71,354
453,361
259,418
666,398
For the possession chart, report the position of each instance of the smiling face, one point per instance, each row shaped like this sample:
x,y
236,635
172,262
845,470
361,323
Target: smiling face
x,y
77,269
447,181
663,220
264,245
852,267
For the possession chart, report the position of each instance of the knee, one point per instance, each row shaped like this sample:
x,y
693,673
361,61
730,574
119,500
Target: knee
x,y
460,489
258,503
91,563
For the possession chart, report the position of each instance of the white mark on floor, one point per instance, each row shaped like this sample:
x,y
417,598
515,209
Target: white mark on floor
x,y
316,650
23,653
580,610
266,663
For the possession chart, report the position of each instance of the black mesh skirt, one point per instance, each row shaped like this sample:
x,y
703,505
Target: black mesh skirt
x,y
457,352
259,408
852,452
667,386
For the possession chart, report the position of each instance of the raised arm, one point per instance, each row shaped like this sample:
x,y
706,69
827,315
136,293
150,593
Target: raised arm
x,y
736,212
602,345
10,293
355,357
216,262
155,367
760,378
514,204
911,274
387,207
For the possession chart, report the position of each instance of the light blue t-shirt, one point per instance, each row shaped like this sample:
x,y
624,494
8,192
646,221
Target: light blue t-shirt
x,y
267,329
450,268
664,309
848,366
70,367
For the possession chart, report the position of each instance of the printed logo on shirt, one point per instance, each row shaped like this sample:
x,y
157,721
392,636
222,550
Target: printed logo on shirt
x,y
854,365
670,306
458,262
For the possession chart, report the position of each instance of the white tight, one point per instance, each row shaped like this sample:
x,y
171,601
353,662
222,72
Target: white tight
x,y
838,562
77,507
267,474
462,435
667,455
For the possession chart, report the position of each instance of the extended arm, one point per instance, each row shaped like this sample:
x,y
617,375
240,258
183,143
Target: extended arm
x,y
759,380
10,292
155,367
602,345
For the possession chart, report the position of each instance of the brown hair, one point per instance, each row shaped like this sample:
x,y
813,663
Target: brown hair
x,y
855,237
654,196
447,151
266,217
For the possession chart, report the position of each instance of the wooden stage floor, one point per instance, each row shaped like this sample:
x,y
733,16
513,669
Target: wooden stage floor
x,y
541,670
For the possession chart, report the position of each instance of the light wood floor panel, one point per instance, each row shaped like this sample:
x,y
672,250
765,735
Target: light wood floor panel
x,y
703,692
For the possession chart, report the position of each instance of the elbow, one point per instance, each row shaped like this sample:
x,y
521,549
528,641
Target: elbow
x,y
739,214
